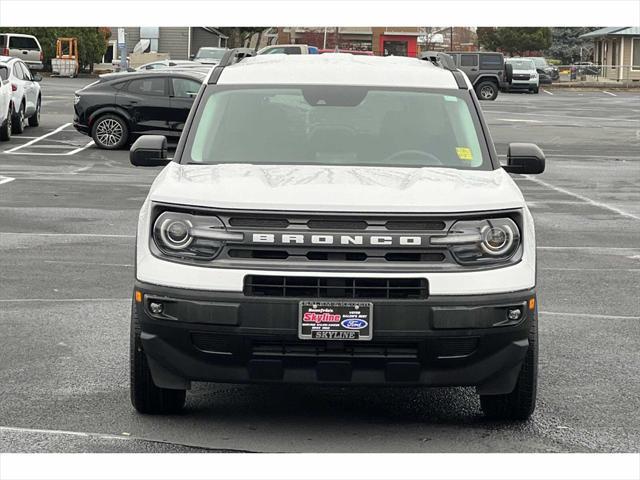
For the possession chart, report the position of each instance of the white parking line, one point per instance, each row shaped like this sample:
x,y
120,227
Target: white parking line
x,y
591,315
564,269
5,179
547,91
89,263
64,432
62,300
609,93
77,150
599,249
518,120
37,139
588,200
42,234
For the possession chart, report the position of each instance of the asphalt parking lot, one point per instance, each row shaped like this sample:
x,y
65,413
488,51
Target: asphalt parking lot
x,y
67,223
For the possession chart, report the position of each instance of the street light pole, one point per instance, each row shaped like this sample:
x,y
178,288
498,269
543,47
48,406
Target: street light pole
x,y
324,41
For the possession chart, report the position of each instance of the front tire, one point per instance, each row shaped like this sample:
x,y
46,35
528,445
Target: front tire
x,y
487,90
5,128
17,123
520,404
110,132
34,120
146,397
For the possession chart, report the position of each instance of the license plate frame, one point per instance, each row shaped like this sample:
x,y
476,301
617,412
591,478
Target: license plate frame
x,y
355,322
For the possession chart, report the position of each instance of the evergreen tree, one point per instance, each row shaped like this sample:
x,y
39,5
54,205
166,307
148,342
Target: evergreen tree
x,y
566,44
514,40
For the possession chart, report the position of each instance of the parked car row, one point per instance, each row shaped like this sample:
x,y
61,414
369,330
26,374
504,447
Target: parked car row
x,y
20,97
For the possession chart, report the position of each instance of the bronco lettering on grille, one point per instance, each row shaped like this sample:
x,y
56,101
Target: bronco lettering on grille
x,y
330,239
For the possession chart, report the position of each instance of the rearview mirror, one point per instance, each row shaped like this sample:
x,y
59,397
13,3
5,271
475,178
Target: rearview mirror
x,y
149,151
525,158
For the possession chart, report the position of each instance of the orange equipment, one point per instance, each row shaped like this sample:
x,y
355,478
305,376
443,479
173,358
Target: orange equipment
x,y
66,63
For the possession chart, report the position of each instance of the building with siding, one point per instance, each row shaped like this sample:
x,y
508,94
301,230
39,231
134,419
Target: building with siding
x,y
617,49
177,42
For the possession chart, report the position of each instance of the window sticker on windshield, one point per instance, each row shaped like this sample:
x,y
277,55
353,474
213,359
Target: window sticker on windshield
x,y
464,153
449,98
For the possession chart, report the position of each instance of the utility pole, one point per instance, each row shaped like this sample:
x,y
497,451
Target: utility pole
x,y
324,41
122,47
451,39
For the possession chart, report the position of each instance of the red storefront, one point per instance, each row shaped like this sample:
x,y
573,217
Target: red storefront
x,y
398,42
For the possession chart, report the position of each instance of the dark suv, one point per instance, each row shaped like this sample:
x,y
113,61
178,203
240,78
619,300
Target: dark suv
x,y
122,106
487,72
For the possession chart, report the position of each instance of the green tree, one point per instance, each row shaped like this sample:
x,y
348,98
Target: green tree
x,y
567,47
514,40
92,41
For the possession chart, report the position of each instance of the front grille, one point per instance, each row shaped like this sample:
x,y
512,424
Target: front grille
x,y
336,242
336,256
456,347
310,349
408,225
334,287
521,76
210,343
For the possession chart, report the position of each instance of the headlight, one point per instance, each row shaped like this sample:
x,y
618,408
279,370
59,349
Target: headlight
x,y
186,236
488,241
76,99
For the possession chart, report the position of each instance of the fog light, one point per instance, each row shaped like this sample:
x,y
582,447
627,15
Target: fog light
x,y
514,314
156,308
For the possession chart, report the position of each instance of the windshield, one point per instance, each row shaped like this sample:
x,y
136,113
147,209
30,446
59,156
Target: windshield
x,y
337,125
539,62
521,64
212,53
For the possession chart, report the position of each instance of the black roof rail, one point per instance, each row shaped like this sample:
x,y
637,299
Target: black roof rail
x,y
439,59
444,60
230,57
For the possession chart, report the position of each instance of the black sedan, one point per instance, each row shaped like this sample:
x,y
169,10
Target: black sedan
x,y
122,106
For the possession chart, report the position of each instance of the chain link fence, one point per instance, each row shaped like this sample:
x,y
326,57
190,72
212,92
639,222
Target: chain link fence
x,y
587,72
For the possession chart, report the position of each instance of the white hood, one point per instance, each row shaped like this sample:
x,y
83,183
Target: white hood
x,y
336,188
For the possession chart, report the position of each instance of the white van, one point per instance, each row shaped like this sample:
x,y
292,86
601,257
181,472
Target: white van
x,y
25,47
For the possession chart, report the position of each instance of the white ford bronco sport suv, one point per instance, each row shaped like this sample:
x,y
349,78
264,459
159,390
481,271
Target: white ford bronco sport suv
x,y
335,219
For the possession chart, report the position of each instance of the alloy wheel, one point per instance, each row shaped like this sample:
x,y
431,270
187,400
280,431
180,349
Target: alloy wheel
x,y
486,92
109,132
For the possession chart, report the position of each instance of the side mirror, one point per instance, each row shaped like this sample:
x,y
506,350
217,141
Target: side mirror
x,y
192,56
149,151
524,158
36,78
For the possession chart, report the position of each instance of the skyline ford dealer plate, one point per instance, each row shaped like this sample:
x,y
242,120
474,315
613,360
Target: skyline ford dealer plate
x,y
335,320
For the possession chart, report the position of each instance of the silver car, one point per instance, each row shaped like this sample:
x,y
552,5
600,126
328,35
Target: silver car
x,y
525,75
209,55
25,47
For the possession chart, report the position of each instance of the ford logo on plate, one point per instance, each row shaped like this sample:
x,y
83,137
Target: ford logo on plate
x,y
354,323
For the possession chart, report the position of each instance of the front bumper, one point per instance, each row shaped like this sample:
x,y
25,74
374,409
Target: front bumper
x,y
229,337
80,127
523,85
